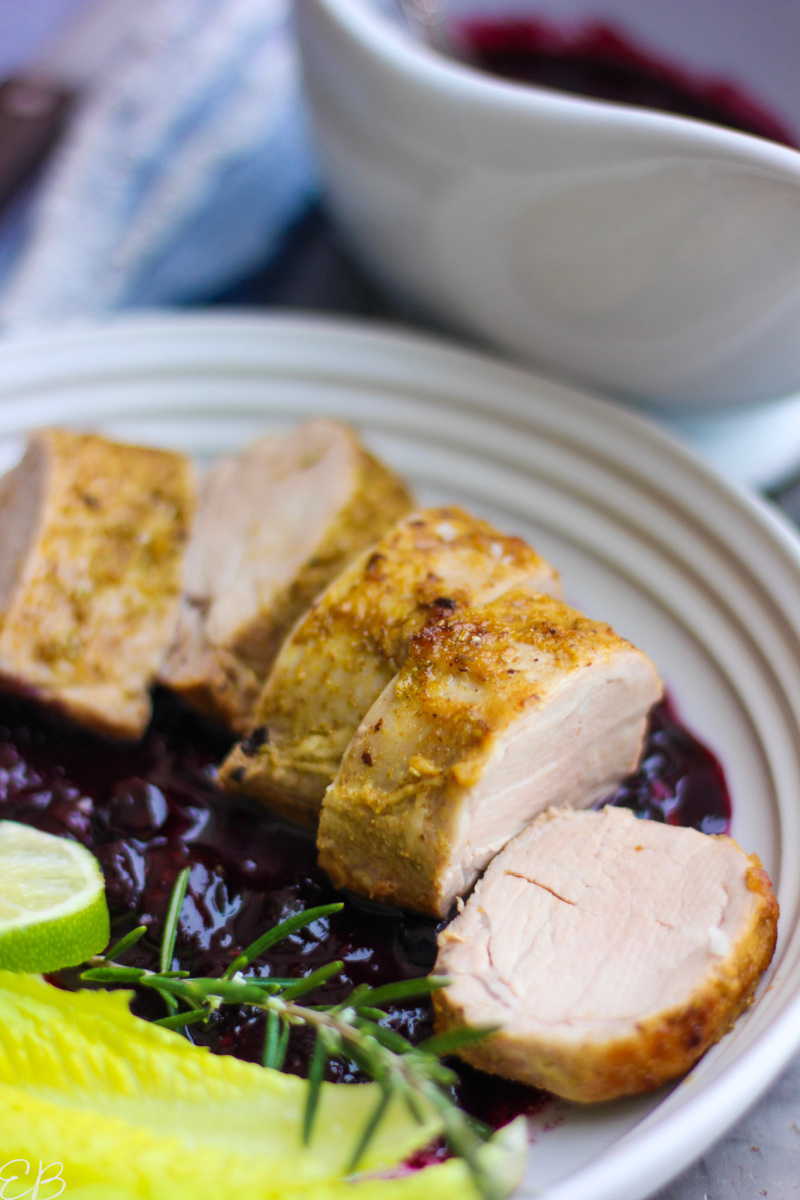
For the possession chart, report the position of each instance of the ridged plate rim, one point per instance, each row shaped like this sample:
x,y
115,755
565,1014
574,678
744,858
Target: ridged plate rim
x,y
205,376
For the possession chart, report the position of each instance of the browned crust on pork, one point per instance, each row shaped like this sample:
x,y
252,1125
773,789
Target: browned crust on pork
x,y
353,641
91,610
663,1047
222,688
387,820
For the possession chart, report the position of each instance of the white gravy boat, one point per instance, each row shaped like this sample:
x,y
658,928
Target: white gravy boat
x,y
652,256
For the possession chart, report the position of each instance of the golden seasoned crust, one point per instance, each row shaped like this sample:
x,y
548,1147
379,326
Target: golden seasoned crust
x,y
514,652
391,818
379,500
431,563
223,678
93,598
355,638
662,1047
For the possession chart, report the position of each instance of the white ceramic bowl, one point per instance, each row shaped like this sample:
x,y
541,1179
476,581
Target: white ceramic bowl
x,y
652,256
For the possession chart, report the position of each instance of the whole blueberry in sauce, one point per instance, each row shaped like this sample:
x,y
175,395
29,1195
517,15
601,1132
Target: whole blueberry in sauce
x,y
149,810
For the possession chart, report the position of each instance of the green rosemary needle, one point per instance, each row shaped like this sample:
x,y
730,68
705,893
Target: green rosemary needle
x,y
351,1029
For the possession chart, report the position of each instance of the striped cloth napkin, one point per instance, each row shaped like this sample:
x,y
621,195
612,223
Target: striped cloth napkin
x,y
181,171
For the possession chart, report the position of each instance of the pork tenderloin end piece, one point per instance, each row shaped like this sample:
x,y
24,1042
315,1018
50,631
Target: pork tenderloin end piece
x,y
355,638
275,524
92,542
613,952
499,712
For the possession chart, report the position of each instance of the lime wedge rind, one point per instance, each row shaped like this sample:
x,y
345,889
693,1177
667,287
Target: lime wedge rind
x,y
53,910
67,942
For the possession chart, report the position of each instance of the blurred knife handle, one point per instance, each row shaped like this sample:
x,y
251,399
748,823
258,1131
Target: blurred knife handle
x,y
33,115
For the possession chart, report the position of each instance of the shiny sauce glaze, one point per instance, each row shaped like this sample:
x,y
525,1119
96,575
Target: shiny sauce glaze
x,y
598,61
149,810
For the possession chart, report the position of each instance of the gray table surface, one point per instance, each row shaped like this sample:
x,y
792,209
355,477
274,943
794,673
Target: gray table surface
x,y
760,1156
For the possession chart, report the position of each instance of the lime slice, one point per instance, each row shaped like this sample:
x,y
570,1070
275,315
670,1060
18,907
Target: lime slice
x,y
53,910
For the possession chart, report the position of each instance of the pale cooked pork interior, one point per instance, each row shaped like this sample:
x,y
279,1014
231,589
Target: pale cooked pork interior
x,y
21,492
275,524
261,514
612,951
499,711
573,751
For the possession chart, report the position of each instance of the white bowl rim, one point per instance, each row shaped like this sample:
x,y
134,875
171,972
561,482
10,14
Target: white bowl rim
x,y
376,33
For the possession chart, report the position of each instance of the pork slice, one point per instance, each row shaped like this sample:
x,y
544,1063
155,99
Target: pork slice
x,y
355,638
92,542
612,952
275,524
499,712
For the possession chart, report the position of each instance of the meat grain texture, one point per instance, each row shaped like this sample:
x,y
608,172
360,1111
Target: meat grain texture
x,y
355,638
499,712
92,542
612,952
275,524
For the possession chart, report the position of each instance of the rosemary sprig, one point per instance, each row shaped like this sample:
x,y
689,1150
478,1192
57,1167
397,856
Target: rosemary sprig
x,y
351,1029
125,943
277,934
170,934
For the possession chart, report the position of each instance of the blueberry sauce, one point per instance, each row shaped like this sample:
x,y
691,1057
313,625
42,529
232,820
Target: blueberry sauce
x,y
148,810
595,60
679,781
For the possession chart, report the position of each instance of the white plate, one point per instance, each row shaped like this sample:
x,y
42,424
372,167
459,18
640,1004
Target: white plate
x,y
701,576
758,446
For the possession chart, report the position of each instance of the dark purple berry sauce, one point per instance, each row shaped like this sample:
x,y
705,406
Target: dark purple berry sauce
x,y
679,781
149,810
598,61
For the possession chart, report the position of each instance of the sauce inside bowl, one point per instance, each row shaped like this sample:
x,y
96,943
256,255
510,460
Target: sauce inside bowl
x,y
600,62
149,810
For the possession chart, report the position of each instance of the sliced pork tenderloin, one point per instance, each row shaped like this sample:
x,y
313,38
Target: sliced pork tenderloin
x,y
354,640
499,712
275,524
611,951
93,536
